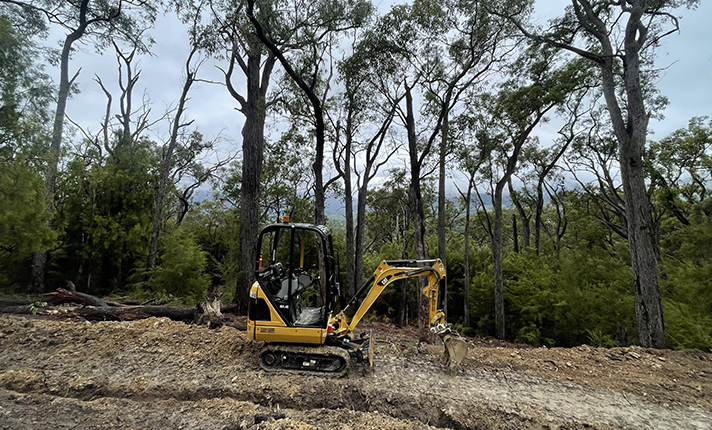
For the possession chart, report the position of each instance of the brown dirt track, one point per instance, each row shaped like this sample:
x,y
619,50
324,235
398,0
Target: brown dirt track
x,y
161,374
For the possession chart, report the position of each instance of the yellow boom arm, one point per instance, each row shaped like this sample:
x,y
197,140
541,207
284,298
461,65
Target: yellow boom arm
x,y
387,272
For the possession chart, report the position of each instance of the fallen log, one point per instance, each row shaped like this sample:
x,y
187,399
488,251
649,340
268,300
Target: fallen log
x,y
16,309
95,309
229,309
65,296
130,313
16,302
91,313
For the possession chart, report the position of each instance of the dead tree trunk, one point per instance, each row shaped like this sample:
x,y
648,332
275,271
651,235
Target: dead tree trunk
x,y
208,312
39,259
167,162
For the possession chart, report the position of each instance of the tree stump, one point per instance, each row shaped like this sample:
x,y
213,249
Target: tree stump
x,y
208,312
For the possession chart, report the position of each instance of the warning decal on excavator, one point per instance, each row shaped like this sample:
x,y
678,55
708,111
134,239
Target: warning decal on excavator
x,y
266,330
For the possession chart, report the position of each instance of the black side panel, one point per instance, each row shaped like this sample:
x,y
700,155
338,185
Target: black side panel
x,y
258,310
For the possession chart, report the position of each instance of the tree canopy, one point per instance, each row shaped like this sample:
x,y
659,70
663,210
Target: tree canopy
x,y
416,132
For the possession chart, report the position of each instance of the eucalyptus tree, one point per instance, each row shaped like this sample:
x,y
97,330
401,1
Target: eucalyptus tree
x,y
400,47
619,38
393,44
247,54
98,20
469,160
361,122
463,46
199,36
277,28
313,26
513,113
342,156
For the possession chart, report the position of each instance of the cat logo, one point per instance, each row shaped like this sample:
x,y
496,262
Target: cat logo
x,y
384,281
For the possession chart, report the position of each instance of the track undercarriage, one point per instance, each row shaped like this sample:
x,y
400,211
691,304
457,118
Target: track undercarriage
x,y
317,360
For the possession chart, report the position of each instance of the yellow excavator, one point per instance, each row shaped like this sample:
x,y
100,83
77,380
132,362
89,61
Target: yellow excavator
x,y
293,303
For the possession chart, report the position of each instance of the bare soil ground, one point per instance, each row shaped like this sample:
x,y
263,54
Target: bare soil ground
x,y
160,374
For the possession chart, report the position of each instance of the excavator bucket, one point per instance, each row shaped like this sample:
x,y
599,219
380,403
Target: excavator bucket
x,y
367,348
455,351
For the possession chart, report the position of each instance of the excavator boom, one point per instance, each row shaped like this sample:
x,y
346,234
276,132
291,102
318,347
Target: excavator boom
x,y
386,273
393,270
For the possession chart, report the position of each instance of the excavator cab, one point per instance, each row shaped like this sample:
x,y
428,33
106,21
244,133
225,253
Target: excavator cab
x,y
296,289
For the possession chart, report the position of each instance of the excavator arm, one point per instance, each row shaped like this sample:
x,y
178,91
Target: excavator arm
x,y
387,272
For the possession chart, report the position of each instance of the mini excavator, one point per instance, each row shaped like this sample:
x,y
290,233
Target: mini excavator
x,y
293,303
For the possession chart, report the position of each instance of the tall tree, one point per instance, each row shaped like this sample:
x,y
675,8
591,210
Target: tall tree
x,y
198,39
515,112
367,121
246,53
101,21
396,39
470,162
618,37
464,43
415,193
315,26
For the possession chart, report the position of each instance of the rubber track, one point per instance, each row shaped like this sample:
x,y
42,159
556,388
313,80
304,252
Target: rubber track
x,y
310,351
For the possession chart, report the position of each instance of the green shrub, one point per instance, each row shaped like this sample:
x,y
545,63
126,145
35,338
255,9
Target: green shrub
x,y
181,272
685,328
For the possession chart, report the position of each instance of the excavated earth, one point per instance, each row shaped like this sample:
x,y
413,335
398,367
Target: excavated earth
x,y
161,374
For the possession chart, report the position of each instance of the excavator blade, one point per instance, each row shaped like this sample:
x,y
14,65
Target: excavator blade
x,y
455,351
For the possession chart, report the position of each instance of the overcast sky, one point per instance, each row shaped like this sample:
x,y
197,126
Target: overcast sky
x,y
687,83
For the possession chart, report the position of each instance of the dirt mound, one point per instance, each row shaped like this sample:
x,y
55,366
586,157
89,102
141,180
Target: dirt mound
x,y
157,373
